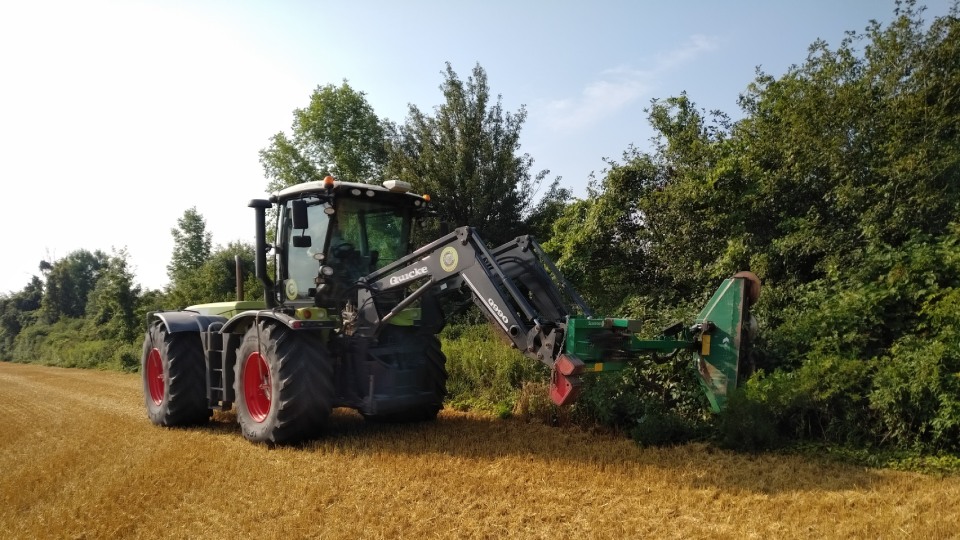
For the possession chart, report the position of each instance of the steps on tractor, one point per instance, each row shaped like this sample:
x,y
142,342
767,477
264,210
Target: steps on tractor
x,y
219,367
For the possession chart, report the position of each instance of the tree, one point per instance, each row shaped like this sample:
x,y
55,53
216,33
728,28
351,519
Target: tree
x,y
191,245
465,156
112,304
540,219
17,311
855,147
215,279
219,274
602,244
338,133
69,282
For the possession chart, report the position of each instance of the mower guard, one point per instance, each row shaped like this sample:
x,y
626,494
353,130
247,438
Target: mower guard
x,y
718,357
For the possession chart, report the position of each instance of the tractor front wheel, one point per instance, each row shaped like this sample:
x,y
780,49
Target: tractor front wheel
x,y
434,378
283,384
437,369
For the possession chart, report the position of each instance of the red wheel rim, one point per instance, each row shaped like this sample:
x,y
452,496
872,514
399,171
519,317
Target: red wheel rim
x,y
155,376
257,387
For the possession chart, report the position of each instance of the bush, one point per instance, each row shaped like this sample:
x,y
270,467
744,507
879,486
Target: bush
x,y
916,395
126,357
749,423
485,373
73,343
824,400
620,399
660,427
869,357
534,405
611,400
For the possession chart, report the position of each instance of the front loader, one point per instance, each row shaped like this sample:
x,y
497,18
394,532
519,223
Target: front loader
x,y
351,314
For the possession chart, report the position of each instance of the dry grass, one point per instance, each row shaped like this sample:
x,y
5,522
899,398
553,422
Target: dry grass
x,y
80,460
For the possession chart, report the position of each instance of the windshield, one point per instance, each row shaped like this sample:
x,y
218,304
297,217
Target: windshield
x,y
379,234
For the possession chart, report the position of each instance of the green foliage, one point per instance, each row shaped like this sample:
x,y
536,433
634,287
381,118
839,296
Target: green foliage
x,y
191,245
199,274
769,411
916,395
215,279
657,403
750,422
613,399
874,354
661,427
928,463
533,404
69,282
73,343
485,373
465,157
338,133
111,307
621,400
549,208
17,311
600,243
838,188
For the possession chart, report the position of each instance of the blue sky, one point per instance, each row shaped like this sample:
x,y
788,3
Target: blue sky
x,y
116,116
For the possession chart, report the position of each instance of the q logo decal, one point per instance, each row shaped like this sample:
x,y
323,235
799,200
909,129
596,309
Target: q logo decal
x,y
449,259
291,289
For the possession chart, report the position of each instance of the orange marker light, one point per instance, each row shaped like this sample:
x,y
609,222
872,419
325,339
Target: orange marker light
x,y
328,182
426,197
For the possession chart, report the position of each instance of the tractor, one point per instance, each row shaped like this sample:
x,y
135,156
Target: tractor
x,y
352,309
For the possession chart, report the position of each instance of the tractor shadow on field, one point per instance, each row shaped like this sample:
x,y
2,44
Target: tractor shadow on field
x,y
485,439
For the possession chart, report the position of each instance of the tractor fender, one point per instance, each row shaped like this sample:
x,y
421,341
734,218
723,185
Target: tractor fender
x,y
240,322
186,321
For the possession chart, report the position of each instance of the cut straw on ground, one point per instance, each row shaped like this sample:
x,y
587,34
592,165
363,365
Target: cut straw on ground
x,y
80,460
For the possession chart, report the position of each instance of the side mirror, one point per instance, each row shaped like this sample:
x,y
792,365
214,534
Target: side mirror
x,y
302,241
444,228
300,220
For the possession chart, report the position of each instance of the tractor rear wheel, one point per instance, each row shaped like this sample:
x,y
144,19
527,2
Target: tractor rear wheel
x,y
284,384
174,377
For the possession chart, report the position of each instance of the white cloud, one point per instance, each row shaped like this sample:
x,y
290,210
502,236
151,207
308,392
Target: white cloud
x,y
619,87
695,46
598,100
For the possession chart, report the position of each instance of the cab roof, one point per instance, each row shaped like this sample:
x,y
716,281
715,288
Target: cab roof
x,y
320,187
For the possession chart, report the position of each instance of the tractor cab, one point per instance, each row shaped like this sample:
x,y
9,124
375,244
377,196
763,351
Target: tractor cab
x,y
330,234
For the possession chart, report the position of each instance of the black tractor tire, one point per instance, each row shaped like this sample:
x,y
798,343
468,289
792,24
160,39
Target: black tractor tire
x,y
174,377
436,369
283,383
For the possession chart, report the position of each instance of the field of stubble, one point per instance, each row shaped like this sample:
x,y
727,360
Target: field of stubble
x,y
79,459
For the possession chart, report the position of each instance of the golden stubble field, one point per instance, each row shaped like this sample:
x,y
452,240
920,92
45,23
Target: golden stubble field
x,y
79,459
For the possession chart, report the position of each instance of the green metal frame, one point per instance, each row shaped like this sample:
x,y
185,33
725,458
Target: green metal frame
x,y
608,344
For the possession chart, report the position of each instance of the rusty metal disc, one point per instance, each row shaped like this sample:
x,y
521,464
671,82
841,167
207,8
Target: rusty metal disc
x,y
752,286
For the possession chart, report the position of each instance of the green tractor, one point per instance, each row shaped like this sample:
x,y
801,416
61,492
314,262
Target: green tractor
x,y
351,313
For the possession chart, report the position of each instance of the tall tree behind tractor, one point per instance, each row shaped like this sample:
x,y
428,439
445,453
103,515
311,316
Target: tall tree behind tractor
x,y
352,311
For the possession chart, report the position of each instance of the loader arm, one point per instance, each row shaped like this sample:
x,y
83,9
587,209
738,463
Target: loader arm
x,y
518,297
